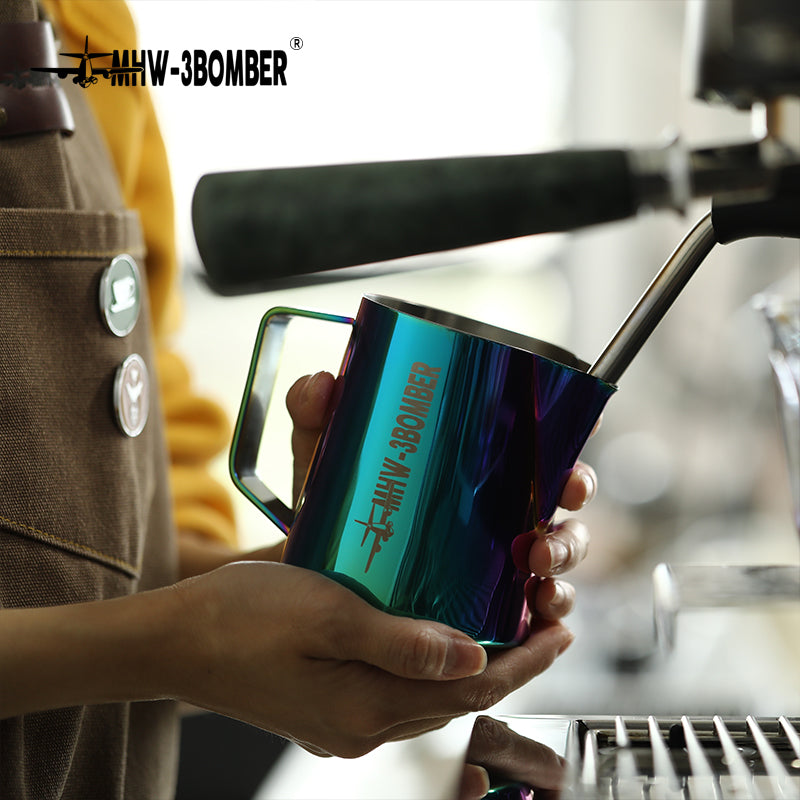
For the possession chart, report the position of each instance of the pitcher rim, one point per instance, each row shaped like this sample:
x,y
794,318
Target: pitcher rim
x,y
481,330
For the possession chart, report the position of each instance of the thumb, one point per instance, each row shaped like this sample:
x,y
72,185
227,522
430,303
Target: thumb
x,y
411,648
308,402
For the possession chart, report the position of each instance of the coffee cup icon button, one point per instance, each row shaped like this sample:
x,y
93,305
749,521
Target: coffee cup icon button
x,y
120,295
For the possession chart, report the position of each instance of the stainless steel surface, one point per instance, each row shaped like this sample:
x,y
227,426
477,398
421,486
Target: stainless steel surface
x,y
683,587
671,758
655,302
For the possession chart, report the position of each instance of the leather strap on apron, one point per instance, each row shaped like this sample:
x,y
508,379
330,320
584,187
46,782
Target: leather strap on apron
x,y
31,101
84,508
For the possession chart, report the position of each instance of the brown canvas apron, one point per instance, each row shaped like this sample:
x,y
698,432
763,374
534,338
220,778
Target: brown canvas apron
x,y
84,508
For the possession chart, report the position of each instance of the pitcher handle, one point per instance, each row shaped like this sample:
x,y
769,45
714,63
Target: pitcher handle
x,y
256,400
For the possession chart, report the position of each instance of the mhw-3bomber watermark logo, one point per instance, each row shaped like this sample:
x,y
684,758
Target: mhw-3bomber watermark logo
x,y
198,68
129,67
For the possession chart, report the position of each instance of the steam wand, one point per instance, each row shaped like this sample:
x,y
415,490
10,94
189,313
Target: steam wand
x,y
655,302
778,215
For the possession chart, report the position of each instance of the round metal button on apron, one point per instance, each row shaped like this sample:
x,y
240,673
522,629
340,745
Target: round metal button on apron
x,y
120,295
132,395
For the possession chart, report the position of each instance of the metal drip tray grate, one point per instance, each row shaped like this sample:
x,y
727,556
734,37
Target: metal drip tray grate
x,y
683,758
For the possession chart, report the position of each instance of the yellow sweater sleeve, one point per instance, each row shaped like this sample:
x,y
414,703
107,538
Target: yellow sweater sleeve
x,y
196,428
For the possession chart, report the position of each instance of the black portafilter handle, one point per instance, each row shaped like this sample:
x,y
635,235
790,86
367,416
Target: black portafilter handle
x,y
252,227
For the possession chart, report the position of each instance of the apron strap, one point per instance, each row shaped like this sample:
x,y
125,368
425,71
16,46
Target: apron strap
x,y
31,97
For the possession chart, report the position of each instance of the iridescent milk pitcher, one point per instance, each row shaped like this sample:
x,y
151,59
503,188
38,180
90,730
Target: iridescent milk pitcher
x,y
449,438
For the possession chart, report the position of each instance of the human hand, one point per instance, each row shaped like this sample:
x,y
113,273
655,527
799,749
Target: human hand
x,y
498,755
296,653
551,551
546,553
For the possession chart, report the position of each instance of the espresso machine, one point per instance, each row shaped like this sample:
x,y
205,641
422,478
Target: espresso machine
x,y
255,229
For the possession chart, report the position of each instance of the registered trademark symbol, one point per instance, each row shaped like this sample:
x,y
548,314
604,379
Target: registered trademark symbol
x,y
296,43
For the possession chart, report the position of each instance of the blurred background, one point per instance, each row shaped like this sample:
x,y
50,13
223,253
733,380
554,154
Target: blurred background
x,y
690,458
